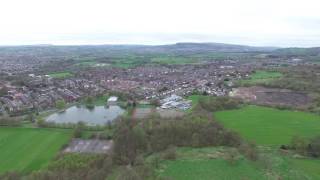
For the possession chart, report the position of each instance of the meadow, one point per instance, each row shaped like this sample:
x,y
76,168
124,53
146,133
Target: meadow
x,y
269,126
28,149
260,77
212,163
207,164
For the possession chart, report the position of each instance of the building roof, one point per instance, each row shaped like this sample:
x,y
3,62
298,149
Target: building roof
x,y
113,99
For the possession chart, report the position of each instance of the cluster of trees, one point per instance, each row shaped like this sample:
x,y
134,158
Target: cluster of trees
x,y
156,135
300,78
305,146
212,104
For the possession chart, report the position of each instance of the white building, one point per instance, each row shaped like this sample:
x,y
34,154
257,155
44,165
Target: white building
x,y
112,100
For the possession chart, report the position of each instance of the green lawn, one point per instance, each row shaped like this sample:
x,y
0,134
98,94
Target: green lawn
x,y
268,126
28,149
261,77
60,75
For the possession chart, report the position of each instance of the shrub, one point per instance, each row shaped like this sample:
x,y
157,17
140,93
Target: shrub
x,y
314,147
299,144
249,150
170,153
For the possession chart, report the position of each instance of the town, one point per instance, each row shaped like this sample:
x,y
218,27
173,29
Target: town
x,y
37,92
137,112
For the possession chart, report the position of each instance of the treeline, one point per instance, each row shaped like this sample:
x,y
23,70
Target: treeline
x,y
212,104
155,135
301,78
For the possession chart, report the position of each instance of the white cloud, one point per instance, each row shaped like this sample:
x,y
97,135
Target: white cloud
x,y
258,22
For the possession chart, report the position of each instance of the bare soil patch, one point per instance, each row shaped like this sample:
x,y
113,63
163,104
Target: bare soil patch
x,y
272,96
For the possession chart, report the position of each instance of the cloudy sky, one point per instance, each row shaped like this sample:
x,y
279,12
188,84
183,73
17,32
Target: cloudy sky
x,y
251,22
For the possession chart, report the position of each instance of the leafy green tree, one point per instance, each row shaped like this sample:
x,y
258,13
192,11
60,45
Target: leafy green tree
x,y
60,104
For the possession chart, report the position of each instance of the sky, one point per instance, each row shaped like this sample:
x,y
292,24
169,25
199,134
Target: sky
x,y
283,23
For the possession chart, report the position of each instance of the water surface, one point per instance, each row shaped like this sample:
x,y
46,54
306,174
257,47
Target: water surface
x,y
99,115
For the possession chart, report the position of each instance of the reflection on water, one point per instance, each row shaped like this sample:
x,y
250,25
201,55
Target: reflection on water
x,y
99,115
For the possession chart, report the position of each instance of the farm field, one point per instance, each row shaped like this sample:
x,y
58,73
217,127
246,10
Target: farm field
x,y
28,149
268,126
261,77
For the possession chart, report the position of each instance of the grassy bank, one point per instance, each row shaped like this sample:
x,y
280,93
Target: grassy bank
x,y
28,149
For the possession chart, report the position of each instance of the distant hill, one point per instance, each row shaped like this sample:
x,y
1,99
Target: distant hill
x,y
175,49
183,48
208,47
295,52
224,47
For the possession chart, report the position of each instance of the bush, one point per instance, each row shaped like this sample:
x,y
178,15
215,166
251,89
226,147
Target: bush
x,y
299,144
170,153
314,147
78,130
249,151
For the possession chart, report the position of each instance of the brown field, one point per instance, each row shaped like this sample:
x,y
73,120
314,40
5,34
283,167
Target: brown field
x,y
272,96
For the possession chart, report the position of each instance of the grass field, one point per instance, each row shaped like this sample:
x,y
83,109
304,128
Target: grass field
x,y
60,75
210,163
207,164
268,126
27,149
311,167
261,77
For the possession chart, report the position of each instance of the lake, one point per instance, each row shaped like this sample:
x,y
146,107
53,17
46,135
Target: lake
x,y
99,115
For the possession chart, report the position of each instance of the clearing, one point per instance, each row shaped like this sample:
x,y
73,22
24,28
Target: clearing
x,y
260,77
28,149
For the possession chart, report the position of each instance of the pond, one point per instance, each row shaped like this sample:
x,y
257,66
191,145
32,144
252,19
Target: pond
x,y
99,115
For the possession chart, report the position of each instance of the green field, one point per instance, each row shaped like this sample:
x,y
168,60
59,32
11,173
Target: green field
x,y
268,126
60,75
28,149
210,163
207,164
261,77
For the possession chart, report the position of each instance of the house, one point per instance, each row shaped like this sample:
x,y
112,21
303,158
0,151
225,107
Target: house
x,y
112,100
